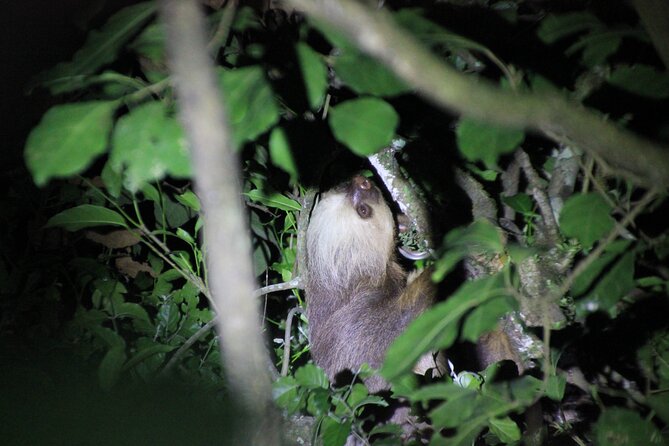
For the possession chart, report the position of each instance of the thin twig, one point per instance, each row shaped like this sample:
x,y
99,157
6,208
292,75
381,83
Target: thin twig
x,y
286,340
291,284
188,344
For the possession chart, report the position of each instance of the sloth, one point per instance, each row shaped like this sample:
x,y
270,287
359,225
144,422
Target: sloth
x,y
359,298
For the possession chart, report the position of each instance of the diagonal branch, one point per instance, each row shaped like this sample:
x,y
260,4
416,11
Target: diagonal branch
x,y
565,122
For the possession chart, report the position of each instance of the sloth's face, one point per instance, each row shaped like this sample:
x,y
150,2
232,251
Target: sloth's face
x,y
351,232
363,195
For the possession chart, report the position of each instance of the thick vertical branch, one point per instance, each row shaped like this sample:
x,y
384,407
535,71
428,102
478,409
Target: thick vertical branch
x,y
217,182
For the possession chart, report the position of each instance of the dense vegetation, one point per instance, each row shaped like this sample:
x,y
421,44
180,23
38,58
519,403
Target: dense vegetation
x,y
565,243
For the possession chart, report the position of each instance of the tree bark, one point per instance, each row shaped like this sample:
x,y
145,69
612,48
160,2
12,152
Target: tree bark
x,y
226,237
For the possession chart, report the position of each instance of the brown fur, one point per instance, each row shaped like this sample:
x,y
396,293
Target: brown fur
x,y
358,297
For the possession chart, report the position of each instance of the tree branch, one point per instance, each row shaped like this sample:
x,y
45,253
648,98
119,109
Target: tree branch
x,y
217,183
554,116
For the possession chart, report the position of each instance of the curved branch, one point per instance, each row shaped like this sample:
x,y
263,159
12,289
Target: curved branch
x,y
554,116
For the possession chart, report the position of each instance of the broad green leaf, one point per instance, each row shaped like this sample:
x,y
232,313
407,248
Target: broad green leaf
x,y
132,310
437,328
189,199
111,366
249,101
68,138
145,353
555,27
358,393
612,287
505,428
586,218
149,144
625,427
481,236
274,200
175,213
584,280
365,75
520,203
150,45
311,377
478,141
112,179
315,74
334,433
640,79
364,125
485,317
84,216
280,152
660,404
102,47
318,402
458,408
555,387
284,392
596,46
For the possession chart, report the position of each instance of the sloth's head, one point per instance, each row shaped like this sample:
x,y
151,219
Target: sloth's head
x,y
351,235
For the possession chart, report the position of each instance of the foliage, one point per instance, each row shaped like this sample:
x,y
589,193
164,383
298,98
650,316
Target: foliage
x,y
117,273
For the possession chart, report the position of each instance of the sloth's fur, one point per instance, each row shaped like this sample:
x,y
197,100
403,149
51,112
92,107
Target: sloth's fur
x,y
359,298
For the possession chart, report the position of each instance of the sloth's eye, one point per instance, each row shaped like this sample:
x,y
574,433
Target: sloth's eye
x,y
364,211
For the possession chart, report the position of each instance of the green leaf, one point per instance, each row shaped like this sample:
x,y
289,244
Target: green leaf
x,y
621,427
458,408
318,402
585,280
284,392
274,200
505,428
189,199
84,216
364,125
280,152
68,138
478,141
520,203
315,74
146,353
358,394
597,47
555,27
437,328
111,367
555,387
150,45
485,317
365,75
101,47
249,101
132,310
112,179
149,144
334,433
640,79
612,287
586,218
311,377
